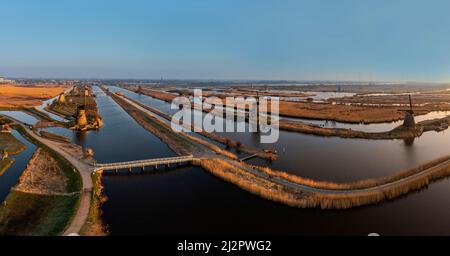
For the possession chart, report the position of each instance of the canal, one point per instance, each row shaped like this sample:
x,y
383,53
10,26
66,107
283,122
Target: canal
x,y
11,176
189,201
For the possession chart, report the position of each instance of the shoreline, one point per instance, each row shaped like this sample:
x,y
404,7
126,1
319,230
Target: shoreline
x,y
306,193
78,168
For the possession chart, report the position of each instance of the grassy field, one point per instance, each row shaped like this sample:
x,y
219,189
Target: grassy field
x,y
25,213
29,214
27,96
11,144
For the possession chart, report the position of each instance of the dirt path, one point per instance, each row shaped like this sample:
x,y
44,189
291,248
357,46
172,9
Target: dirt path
x,y
85,173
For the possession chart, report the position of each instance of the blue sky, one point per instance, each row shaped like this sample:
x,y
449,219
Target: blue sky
x,y
225,39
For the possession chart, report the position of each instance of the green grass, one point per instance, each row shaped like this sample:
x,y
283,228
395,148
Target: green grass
x,y
24,214
11,144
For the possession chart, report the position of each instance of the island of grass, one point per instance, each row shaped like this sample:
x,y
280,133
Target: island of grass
x,y
45,199
55,137
68,107
10,144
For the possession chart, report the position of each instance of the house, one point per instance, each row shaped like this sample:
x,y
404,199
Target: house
x,y
3,80
5,128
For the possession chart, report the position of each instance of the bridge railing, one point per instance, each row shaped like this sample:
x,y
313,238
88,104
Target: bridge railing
x,y
146,161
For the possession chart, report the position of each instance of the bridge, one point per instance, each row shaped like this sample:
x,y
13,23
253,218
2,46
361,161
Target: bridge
x,y
243,159
142,163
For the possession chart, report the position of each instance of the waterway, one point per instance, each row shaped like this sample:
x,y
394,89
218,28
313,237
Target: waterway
x,y
189,201
51,115
11,176
332,158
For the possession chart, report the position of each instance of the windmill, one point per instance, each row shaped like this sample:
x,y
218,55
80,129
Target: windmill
x,y
409,121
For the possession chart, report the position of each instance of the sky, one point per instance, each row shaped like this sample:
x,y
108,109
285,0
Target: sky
x,y
360,40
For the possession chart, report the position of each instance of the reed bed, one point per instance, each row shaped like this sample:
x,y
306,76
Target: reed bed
x,y
338,199
94,225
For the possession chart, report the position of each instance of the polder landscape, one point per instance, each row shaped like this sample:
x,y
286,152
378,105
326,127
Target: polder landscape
x,y
245,120
75,152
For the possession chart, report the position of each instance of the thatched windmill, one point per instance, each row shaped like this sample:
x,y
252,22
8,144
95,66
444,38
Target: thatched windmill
x,y
409,121
4,155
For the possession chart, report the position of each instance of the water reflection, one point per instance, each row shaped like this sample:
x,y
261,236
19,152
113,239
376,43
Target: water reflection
x,y
189,201
13,173
21,116
336,159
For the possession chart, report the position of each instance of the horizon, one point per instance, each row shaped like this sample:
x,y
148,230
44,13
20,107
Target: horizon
x,y
362,82
228,40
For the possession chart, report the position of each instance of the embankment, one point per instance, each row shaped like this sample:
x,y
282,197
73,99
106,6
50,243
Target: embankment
x,y
94,225
55,137
181,143
11,144
301,127
229,142
45,199
305,193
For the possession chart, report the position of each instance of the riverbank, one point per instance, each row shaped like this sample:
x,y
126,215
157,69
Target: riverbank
x,y
94,225
46,196
317,110
282,188
5,164
306,193
10,144
70,157
79,103
229,142
55,137
302,127
179,142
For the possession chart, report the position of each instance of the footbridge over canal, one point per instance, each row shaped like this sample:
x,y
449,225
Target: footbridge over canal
x,y
141,163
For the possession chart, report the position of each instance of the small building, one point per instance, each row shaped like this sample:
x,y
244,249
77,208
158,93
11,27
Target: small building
x,y
4,155
86,91
81,118
62,98
99,121
3,80
409,122
5,128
